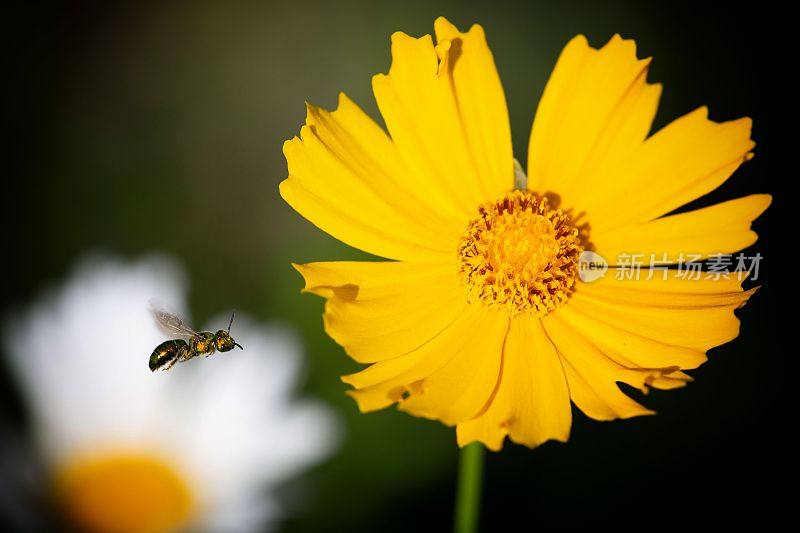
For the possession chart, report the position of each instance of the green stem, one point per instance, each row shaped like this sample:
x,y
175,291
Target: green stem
x,y
468,492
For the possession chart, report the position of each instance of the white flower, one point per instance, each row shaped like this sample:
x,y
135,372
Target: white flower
x,y
197,447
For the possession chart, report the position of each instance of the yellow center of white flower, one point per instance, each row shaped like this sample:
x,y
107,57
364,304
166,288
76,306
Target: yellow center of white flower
x,y
520,255
123,493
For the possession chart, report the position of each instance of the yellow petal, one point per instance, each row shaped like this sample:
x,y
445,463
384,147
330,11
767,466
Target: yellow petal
x,y
588,144
723,228
458,390
685,160
670,380
688,319
345,174
669,289
481,103
592,377
626,348
531,402
449,378
445,110
381,310
596,107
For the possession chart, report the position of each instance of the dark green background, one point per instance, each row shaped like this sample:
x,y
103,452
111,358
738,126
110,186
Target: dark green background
x,y
146,127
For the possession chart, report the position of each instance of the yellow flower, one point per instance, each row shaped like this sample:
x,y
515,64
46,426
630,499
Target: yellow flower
x,y
482,320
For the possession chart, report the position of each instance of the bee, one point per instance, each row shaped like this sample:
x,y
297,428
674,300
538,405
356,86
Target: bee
x,y
190,344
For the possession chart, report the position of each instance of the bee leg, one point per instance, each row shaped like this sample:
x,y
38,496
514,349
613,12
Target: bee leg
x,y
185,354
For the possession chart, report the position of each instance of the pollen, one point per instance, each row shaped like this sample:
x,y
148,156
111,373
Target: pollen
x,y
520,255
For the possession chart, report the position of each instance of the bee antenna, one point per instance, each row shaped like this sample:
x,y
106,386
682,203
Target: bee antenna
x,y
231,322
239,345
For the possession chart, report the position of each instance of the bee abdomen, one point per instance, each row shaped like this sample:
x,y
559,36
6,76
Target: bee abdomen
x,y
166,352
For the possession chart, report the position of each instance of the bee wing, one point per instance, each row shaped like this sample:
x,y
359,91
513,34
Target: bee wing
x,y
169,322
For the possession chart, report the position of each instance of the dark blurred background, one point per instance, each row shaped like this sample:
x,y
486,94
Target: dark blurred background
x,y
132,127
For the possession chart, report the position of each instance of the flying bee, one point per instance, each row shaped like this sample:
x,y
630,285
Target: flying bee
x,y
190,343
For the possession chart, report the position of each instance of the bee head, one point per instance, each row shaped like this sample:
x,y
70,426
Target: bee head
x,y
223,341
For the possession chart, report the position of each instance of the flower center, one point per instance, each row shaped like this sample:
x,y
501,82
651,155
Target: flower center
x,y
520,255
123,493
